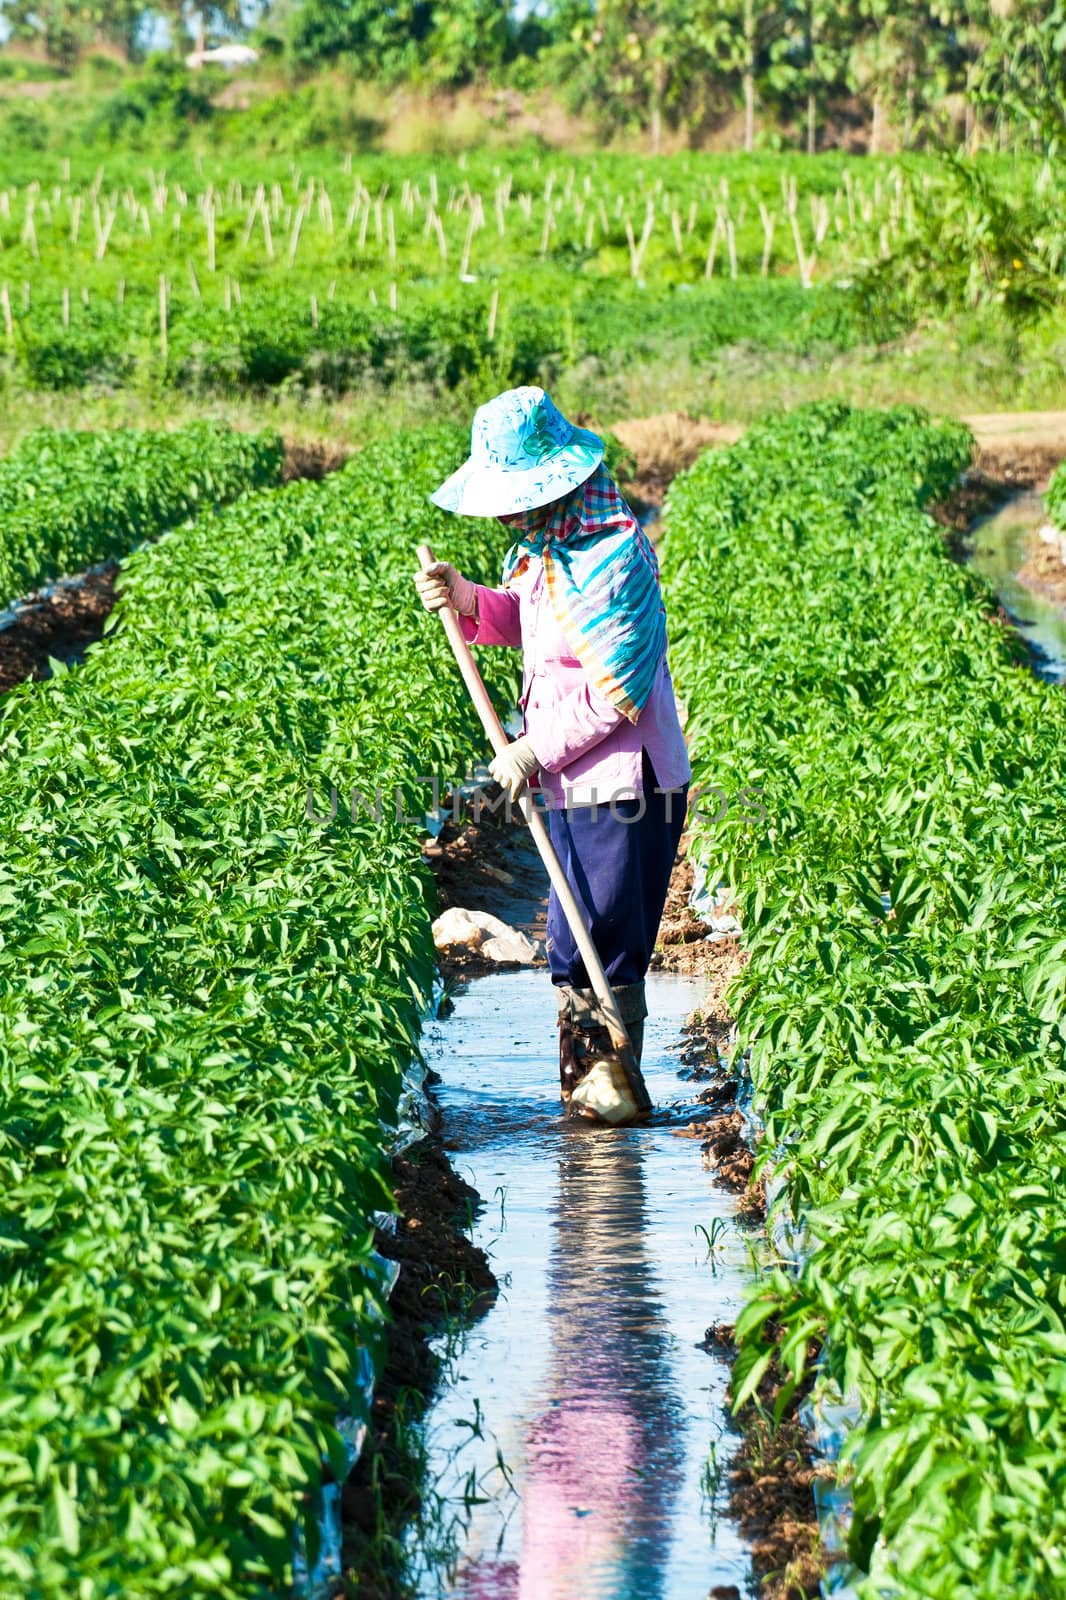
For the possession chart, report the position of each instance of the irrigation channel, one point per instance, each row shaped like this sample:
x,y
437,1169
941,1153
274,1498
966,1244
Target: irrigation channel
x,y
577,1443
998,549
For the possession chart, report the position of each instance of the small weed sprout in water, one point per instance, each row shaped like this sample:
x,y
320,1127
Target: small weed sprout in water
x,y
714,1237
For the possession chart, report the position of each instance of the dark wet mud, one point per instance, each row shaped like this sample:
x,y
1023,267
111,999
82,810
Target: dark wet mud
x,y
59,624
579,1449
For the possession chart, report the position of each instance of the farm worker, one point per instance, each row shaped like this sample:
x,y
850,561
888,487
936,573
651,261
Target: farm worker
x,y
581,598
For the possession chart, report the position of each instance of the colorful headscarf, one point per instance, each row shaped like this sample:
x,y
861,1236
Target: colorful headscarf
x,y
603,583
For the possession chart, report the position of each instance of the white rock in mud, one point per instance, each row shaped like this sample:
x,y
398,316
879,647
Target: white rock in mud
x,y
488,935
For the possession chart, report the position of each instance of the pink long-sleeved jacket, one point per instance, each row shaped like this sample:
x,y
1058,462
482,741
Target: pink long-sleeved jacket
x,y
589,752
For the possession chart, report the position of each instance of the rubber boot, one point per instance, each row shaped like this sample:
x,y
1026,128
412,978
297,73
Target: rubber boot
x,y
585,1040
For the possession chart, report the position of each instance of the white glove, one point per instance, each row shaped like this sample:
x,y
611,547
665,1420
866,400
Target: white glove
x,y
440,585
513,766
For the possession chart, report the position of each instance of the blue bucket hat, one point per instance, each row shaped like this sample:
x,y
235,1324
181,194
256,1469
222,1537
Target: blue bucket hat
x,y
523,453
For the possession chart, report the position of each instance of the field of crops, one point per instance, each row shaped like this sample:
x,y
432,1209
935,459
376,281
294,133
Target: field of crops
x,y
209,993
231,274
904,1003
237,277
69,500
206,1004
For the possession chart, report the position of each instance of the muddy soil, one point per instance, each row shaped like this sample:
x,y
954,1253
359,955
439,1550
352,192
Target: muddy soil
x,y
442,1276
487,864
772,1474
491,865
772,1484
312,458
62,626
665,445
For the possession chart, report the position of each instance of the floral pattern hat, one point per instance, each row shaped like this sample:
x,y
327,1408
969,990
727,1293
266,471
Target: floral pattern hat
x,y
523,453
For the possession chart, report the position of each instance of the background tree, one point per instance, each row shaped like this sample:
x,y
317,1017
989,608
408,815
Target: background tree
x,y
808,59
65,28
1020,75
630,63
739,37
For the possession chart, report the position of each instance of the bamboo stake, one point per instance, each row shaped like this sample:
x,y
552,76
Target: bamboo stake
x,y
253,212
209,218
294,237
494,306
314,311
103,229
5,304
29,231
66,306
464,264
163,344
712,248
769,223
636,251
805,265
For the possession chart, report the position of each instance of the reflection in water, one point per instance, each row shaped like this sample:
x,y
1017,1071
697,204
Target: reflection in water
x,y
999,547
604,1458
570,1445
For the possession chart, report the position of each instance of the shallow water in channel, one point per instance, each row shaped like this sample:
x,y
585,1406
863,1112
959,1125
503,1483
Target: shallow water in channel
x,y
998,549
575,1447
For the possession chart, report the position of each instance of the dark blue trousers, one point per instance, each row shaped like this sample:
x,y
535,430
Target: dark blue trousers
x,y
618,861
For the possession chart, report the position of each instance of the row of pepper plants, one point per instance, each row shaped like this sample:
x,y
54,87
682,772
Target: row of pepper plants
x,y
905,909
208,996
71,499
524,328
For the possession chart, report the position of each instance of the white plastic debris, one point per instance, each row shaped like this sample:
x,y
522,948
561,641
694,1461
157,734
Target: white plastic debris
x,y
1054,537
492,938
713,905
